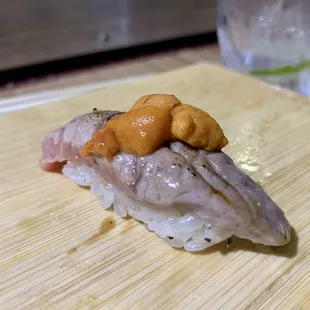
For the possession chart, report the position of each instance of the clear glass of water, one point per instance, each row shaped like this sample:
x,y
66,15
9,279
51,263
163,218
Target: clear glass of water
x,y
269,39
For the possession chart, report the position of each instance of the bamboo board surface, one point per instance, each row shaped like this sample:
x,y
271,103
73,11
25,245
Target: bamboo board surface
x,y
60,250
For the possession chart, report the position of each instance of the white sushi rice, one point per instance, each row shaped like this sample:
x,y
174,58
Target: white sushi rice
x,y
177,227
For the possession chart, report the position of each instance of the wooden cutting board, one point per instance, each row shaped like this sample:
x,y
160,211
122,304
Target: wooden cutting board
x,y
60,250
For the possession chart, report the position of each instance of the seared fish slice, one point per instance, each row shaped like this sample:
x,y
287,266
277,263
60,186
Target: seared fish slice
x,y
190,197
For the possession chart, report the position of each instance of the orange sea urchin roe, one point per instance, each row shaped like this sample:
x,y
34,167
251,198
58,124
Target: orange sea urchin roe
x,y
197,128
161,101
153,120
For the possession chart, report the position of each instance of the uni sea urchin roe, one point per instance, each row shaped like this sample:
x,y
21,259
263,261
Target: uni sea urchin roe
x,y
153,120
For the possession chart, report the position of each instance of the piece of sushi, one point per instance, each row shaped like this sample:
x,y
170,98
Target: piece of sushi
x,y
189,197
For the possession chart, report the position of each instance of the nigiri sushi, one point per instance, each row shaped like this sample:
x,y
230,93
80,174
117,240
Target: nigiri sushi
x,y
191,196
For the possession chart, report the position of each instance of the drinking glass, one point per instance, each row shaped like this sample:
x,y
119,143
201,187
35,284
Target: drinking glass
x,y
269,39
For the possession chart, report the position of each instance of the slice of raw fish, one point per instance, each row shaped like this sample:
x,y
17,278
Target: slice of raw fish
x,y
64,144
176,175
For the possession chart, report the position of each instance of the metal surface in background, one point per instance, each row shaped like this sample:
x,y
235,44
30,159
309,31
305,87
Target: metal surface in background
x,y
36,31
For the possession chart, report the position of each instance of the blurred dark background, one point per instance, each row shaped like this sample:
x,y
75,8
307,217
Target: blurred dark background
x,y
38,37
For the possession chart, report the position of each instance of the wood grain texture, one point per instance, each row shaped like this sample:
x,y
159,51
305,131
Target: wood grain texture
x,y
60,250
